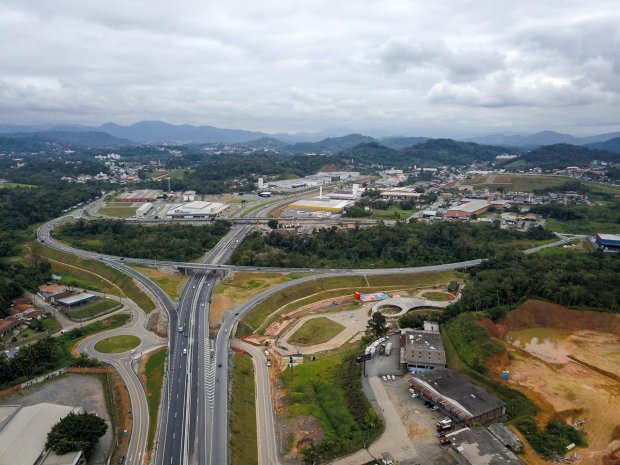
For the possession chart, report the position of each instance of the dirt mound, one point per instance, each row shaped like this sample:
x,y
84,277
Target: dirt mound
x,y
540,313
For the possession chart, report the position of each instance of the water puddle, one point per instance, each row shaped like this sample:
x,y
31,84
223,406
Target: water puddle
x,y
548,344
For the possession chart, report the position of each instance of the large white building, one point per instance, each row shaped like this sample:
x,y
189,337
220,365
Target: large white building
x,y
23,433
197,209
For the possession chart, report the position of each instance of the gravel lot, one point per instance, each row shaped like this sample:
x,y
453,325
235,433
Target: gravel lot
x,y
72,390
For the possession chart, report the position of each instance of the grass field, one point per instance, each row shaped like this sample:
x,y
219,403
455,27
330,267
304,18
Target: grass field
x,y
171,284
51,325
97,276
582,226
391,213
437,296
316,331
243,442
323,288
15,185
118,209
530,183
117,344
154,379
93,309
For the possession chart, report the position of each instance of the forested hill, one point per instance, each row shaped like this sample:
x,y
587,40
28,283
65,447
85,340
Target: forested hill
x,y
612,145
563,155
163,242
414,244
434,152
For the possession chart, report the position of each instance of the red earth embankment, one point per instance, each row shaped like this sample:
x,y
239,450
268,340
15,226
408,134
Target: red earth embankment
x,y
534,313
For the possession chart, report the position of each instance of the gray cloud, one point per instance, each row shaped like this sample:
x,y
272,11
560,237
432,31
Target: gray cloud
x,y
460,67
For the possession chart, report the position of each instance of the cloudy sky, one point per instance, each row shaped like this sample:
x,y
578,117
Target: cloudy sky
x,y
452,67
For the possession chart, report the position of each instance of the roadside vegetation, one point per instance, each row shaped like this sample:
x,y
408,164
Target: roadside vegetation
x,y
413,244
154,370
243,440
171,283
315,331
330,389
162,242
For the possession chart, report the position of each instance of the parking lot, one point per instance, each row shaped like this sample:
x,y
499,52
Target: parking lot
x,y
381,365
420,423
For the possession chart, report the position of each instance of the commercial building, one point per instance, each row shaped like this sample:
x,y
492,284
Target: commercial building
x,y
320,205
422,349
457,397
197,210
608,241
400,193
143,209
23,433
77,299
143,195
477,446
468,209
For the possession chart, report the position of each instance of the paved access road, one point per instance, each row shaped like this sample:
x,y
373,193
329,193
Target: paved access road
x,y
267,448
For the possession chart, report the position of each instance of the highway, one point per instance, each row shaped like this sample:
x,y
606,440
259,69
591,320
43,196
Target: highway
x,y
193,425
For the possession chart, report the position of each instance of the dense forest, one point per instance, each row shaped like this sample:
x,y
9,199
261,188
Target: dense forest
x,y
413,244
163,242
505,280
20,209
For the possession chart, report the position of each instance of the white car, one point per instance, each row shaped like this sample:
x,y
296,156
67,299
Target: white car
x,y
412,391
266,353
414,395
384,378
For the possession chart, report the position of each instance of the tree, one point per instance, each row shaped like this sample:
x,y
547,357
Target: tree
x,y
76,432
273,224
377,326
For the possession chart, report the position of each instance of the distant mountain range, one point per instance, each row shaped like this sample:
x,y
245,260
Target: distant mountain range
x,y
158,132
543,138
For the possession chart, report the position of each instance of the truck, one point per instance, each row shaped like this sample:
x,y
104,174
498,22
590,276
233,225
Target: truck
x,y
388,349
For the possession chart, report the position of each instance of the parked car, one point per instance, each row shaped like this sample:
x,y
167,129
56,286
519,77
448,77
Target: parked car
x,y
121,460
412,391
384,378
414,395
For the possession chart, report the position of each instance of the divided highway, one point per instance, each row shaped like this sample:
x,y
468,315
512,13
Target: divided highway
x,y
193,424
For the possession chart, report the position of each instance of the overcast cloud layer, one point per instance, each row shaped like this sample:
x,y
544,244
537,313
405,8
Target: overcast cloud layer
x,y
401,67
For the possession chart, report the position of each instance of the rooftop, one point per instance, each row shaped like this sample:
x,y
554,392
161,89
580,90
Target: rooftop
x,y
609,237
480,447
26,432
74,299
424,347
319,204
457,390
471,206
198,207
52,288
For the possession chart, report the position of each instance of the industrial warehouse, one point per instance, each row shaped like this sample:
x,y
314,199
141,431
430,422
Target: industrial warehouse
x,y
422,349
468,209
457,397
143,195
197,209
608,242
477,446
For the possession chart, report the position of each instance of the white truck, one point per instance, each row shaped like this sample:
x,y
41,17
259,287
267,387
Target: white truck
x,y
388,349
